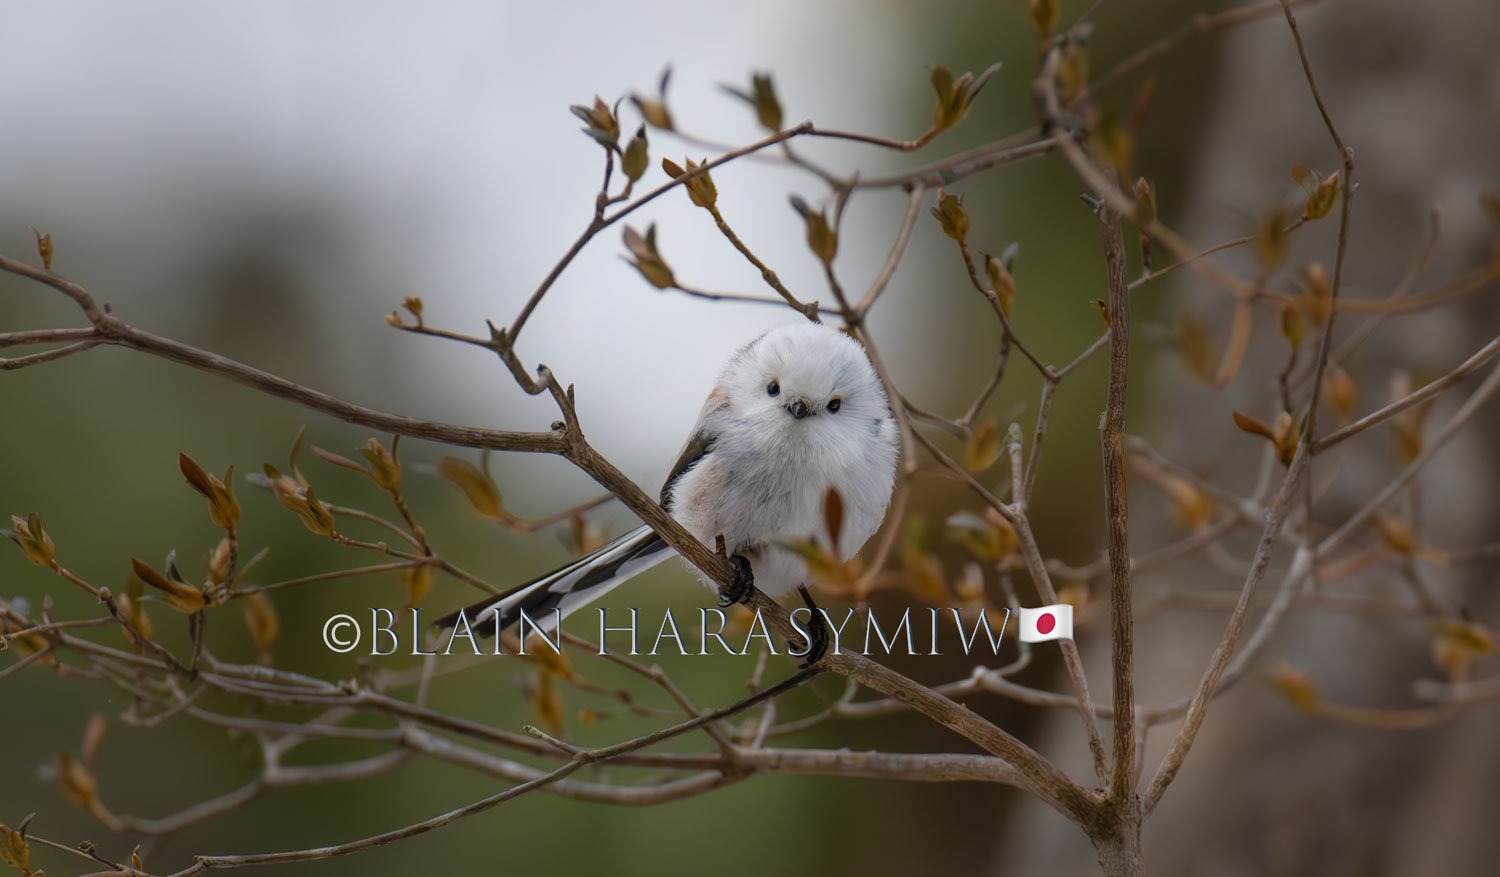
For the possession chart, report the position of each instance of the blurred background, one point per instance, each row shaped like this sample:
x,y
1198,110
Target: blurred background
x,y
268,180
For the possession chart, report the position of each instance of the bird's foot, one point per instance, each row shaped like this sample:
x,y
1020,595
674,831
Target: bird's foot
x,y
744,582
817,633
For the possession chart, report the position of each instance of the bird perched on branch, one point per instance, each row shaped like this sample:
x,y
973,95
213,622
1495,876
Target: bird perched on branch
x,y
795,413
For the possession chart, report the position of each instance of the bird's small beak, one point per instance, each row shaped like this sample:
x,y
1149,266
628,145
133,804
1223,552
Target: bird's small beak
x,y
798,409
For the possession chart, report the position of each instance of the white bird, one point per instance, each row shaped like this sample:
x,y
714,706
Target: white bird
x,y
794,413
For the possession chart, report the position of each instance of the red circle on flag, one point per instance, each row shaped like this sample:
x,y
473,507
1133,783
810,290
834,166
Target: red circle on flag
x,y
1045,622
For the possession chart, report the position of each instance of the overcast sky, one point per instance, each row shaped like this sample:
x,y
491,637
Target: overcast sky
x,y
438,137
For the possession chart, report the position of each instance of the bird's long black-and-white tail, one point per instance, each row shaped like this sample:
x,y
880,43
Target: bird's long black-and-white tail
x,y
568,589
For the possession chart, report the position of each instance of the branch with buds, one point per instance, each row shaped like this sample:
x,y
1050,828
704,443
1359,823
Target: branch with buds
x,y
1330,549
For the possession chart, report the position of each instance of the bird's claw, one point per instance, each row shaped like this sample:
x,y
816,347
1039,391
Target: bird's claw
x,y
744,582
817,647
817,632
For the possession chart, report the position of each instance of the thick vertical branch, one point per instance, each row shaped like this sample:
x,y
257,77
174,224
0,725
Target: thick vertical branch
x,y
1116,505
1117,838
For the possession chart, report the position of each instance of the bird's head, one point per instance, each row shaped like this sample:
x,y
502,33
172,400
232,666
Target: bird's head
x,y
807,377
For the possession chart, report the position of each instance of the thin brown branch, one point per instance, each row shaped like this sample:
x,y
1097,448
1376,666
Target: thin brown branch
x,y
327,576
1208,685
1200,24
112,330
1476,400
1347,189
745,298
874,140
893,258
33,658
1375,418
115,869
1037,567
807,309
659,677
20,362
44,336
1008,334
600,223
977,160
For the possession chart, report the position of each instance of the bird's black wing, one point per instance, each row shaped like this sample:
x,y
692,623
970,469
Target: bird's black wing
x,y
697,448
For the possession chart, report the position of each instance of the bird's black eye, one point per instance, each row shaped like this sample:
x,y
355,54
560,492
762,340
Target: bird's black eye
x,y
773,388
834,404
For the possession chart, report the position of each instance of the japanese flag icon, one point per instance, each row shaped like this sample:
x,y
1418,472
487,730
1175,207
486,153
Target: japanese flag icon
x,y
1046,623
